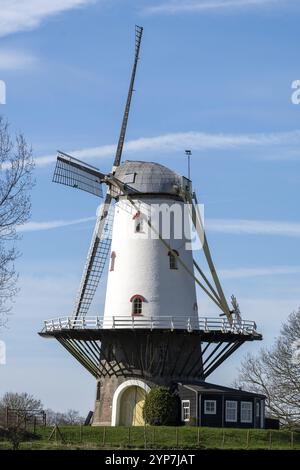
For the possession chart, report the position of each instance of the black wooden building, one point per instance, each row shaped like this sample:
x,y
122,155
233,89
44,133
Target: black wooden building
x,y
205,404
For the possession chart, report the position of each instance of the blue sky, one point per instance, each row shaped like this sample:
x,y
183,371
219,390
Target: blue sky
x,y
214,77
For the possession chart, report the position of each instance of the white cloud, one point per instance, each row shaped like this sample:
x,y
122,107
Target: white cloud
x,y
177,142
253,227
52,224
15,60
21,15
227,226
194,6
238,273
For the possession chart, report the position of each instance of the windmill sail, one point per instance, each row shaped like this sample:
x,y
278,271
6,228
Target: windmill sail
x,y
100,244
77,174
138,39
96,259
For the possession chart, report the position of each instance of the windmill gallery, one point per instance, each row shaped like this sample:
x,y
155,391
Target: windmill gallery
x,y
151,332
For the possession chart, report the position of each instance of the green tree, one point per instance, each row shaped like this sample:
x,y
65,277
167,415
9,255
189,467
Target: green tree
x,y
161,407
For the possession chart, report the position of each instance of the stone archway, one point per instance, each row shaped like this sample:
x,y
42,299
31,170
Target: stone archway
x,y
128,402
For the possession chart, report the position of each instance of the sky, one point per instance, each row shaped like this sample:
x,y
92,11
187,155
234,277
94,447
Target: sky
x,y
215,77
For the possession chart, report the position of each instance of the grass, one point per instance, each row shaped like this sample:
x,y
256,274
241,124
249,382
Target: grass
x,y
162,437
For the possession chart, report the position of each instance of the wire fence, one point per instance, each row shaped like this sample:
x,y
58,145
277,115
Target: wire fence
x,y
157,437
22,418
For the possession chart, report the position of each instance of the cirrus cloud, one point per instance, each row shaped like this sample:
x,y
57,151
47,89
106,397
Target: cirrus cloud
x,y
22,15
176,142
194,6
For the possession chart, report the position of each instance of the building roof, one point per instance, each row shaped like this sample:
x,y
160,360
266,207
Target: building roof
x,y
149,177
205,387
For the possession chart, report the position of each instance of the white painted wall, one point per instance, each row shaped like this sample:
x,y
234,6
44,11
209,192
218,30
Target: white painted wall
x,y
142,267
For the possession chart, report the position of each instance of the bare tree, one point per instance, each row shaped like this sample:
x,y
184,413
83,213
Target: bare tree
x,y
21,402
275,372
16,166
70,417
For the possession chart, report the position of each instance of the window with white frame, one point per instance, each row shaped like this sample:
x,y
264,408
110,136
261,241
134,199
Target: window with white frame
x,y
210,407
137,305
246,412
185,410
231,411
257,409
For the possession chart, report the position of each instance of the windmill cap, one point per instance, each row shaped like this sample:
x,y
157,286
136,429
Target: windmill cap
x,y
150,177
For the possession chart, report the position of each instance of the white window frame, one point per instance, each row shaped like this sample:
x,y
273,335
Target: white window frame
x,y
210,412
184,402
227,419
247,420
137,306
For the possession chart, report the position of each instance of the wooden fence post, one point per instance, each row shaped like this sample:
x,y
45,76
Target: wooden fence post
x,y
177,440
223,439
153,437
145,438
292,439
129,436
248,438
198,436
80,432
270,440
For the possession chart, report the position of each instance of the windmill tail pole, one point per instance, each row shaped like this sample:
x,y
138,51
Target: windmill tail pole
x,y
138,39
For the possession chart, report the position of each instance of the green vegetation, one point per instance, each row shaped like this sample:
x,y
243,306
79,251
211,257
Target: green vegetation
x,y
158,437
161,407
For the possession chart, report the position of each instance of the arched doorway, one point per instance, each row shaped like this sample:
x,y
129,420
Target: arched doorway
x,y
128,403
131,407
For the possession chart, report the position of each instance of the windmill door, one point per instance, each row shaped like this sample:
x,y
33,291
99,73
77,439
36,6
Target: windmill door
x,y
131,407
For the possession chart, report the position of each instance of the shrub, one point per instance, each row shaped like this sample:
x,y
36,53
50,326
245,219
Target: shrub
x,y
161,407
15,435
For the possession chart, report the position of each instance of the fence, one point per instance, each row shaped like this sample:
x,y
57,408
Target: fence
x,y
22,418
158,437
162,322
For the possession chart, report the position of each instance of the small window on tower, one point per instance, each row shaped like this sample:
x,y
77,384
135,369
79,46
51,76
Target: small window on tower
x,y
173,259
129,178
137,304
139,225
112,260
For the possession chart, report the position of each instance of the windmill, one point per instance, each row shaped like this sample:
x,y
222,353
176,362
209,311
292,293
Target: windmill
x,y
150,332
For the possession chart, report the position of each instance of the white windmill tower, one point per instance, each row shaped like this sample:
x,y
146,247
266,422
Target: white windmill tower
x,y
150,332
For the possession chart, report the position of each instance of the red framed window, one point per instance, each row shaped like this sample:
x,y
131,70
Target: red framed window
x,y
137,304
